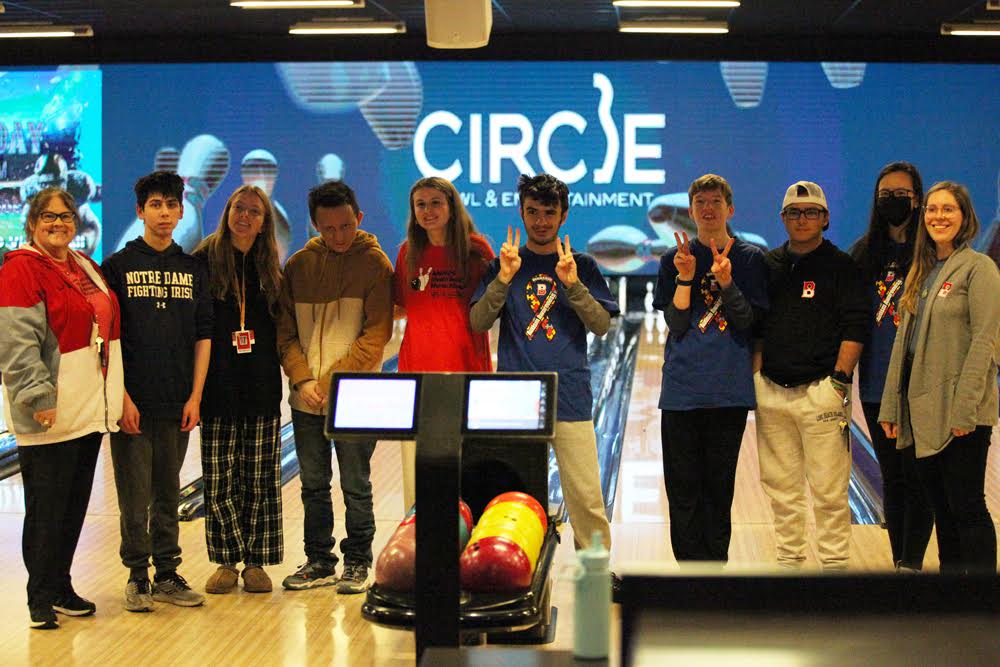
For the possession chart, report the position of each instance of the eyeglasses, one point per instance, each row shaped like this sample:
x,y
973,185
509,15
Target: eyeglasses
x,y
252,212
50,217
947,210
898,192
796,213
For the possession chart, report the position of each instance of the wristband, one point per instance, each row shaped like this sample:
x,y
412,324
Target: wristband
x,y
682,283
842,377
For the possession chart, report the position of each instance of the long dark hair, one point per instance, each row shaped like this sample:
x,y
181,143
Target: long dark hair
x,y
925,250
218,249
871,251
459,232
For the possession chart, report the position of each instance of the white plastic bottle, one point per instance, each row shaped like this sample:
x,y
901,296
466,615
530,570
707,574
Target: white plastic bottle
x,y
592,604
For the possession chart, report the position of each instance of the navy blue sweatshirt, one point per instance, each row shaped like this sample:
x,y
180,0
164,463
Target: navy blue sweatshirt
x,y
166,309
817,301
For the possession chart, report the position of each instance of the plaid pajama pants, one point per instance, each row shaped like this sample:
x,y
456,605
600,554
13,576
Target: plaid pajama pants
x,y
241,463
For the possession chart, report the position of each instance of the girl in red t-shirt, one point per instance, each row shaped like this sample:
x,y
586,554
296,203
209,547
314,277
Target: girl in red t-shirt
x,y
437,270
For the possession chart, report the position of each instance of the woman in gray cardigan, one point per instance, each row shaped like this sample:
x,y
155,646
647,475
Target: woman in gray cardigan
x,y
940,393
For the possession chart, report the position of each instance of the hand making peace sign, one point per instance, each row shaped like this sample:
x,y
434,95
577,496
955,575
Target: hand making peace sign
x,y
566,266
684,261
510,258
722,268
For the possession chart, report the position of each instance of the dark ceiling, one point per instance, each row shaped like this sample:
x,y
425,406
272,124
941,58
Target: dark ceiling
x,y
210,30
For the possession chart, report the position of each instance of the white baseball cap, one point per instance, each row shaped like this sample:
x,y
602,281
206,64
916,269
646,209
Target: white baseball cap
x,y
804,192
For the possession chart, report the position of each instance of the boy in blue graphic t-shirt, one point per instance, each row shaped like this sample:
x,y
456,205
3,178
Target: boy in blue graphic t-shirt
x,y
710,289
548,298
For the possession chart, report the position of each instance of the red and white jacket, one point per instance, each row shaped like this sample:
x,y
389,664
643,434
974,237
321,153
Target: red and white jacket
x,y
49,355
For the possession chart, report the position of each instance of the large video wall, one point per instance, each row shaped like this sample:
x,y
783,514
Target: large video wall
x,y
627,136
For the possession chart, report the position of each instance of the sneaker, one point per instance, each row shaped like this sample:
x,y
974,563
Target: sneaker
x,y
354,579
255,580
311,575
43,617
222,580
171,587
138,595
72,604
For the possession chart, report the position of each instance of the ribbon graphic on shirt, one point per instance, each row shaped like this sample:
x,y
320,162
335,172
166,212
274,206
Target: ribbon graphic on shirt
x,y
538,288
886,295
710,290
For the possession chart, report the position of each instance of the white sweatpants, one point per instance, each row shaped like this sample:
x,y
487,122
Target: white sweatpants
x,y
802,438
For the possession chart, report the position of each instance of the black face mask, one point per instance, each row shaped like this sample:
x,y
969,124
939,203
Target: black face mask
x,y
894,210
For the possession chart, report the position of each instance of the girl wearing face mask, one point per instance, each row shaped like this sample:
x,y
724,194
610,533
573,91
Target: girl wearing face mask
x,y
884,254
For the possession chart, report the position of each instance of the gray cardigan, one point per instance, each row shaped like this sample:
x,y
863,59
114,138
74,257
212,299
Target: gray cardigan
x,y
953,381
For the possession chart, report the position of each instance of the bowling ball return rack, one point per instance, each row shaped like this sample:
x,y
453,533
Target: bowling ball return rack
x,y
488,432
525,617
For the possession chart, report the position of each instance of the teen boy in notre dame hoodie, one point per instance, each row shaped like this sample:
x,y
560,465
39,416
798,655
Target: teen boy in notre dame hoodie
x,y
166,341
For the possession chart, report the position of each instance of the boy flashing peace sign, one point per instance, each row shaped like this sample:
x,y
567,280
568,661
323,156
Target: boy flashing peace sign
x,y
710,298
548,298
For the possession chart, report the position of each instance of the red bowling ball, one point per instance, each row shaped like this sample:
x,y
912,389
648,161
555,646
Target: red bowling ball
x,y
395,568
495,565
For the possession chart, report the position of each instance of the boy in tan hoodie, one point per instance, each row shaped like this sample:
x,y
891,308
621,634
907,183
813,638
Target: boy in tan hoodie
x,y
336,316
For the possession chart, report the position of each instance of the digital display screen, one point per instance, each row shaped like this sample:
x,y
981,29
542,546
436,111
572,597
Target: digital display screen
x,y
628,138
373,404
509,404
51,136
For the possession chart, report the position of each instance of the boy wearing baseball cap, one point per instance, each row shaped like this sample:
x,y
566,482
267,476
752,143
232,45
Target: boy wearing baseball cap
x,y
805,353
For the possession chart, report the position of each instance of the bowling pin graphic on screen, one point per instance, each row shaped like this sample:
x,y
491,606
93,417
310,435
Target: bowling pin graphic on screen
x,y
259,167
844,75
166,159
329,168
331,87
392,113
624,249
745,82
202,163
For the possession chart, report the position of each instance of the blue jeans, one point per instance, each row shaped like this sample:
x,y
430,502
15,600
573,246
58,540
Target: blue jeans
x,y
315,472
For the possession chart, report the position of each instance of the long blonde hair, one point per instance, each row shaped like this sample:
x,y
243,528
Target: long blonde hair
x,y
460,229
218,249
924,248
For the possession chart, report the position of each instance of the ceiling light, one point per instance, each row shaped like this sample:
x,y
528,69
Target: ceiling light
x,y
334,27
297,4
30,30
991,29
680,27
700,4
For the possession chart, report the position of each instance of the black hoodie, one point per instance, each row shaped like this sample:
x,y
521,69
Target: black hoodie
x,y
166,308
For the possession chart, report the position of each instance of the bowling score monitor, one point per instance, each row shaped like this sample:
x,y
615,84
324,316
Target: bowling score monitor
x,y
510,404
373,404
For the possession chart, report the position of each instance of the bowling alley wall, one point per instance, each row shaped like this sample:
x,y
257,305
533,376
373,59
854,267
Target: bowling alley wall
x,y
628,138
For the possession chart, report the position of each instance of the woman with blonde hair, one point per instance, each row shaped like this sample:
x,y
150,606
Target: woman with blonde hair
x,y
940,392
437,270
241,405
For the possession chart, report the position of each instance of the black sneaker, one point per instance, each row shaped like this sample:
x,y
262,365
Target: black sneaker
x,y
311,575
71,604
354,579
616,588
42,617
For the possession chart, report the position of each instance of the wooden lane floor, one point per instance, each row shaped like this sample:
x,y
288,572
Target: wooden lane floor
x,y
320,627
